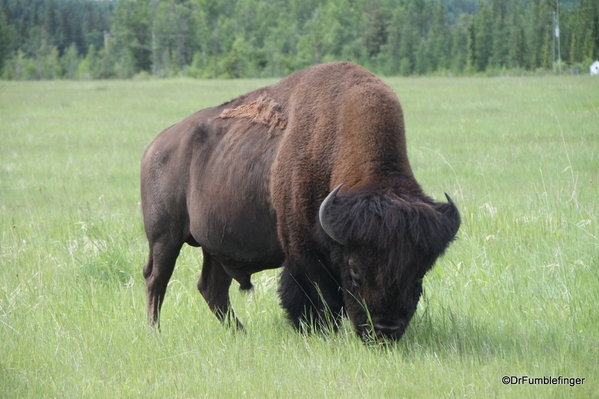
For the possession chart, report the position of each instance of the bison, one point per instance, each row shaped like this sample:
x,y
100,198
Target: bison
x,y
310,174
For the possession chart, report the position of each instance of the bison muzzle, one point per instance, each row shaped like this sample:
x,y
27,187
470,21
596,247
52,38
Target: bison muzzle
x,y
310,174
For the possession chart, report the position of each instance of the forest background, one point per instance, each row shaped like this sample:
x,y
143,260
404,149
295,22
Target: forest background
x,y
81,39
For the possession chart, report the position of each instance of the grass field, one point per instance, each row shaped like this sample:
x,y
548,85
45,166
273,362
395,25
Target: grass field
x,y
516,295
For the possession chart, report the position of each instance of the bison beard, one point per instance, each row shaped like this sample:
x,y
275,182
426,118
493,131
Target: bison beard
x,y
247,182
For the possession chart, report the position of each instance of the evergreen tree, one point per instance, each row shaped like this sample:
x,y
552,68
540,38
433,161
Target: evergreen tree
x,y
499,52
5,36
483,37
471,59
376,25
132,30
50,26
439,38
516,53
460,44
584,43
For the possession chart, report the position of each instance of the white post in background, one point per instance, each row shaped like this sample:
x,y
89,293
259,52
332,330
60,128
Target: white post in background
x,y
556,39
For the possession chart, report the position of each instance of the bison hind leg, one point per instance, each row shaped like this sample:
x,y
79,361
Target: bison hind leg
x,y
157,272
214,286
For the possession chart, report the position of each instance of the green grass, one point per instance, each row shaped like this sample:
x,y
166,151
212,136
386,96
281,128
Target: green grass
x,y
516,294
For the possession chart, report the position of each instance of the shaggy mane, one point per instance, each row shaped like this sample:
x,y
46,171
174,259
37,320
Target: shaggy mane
x,y
386,220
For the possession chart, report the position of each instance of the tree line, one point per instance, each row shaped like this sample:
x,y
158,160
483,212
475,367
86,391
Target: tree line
x,y
80,39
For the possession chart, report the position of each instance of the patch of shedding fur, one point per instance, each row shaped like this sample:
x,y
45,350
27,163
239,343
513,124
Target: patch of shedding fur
x,y
262,110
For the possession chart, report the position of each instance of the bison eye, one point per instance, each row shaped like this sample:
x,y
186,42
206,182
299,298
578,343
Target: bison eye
x,y
354,272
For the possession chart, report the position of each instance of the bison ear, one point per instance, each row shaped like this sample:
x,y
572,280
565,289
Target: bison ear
x,y
325,215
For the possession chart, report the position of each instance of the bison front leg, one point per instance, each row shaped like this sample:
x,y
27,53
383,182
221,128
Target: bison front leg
x,y
311,301
214,286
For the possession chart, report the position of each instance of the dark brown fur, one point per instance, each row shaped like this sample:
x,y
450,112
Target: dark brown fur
x,y
245,181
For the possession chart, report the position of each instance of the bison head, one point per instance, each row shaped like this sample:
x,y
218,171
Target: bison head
x,y
389,242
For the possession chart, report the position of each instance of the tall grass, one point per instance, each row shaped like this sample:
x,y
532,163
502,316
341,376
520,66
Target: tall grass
x,y
515,295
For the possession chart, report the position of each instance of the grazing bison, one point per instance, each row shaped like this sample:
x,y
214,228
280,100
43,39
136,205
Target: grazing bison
x,y
311,174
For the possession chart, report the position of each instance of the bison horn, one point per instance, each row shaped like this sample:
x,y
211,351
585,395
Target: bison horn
x,y
453,214
325,214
